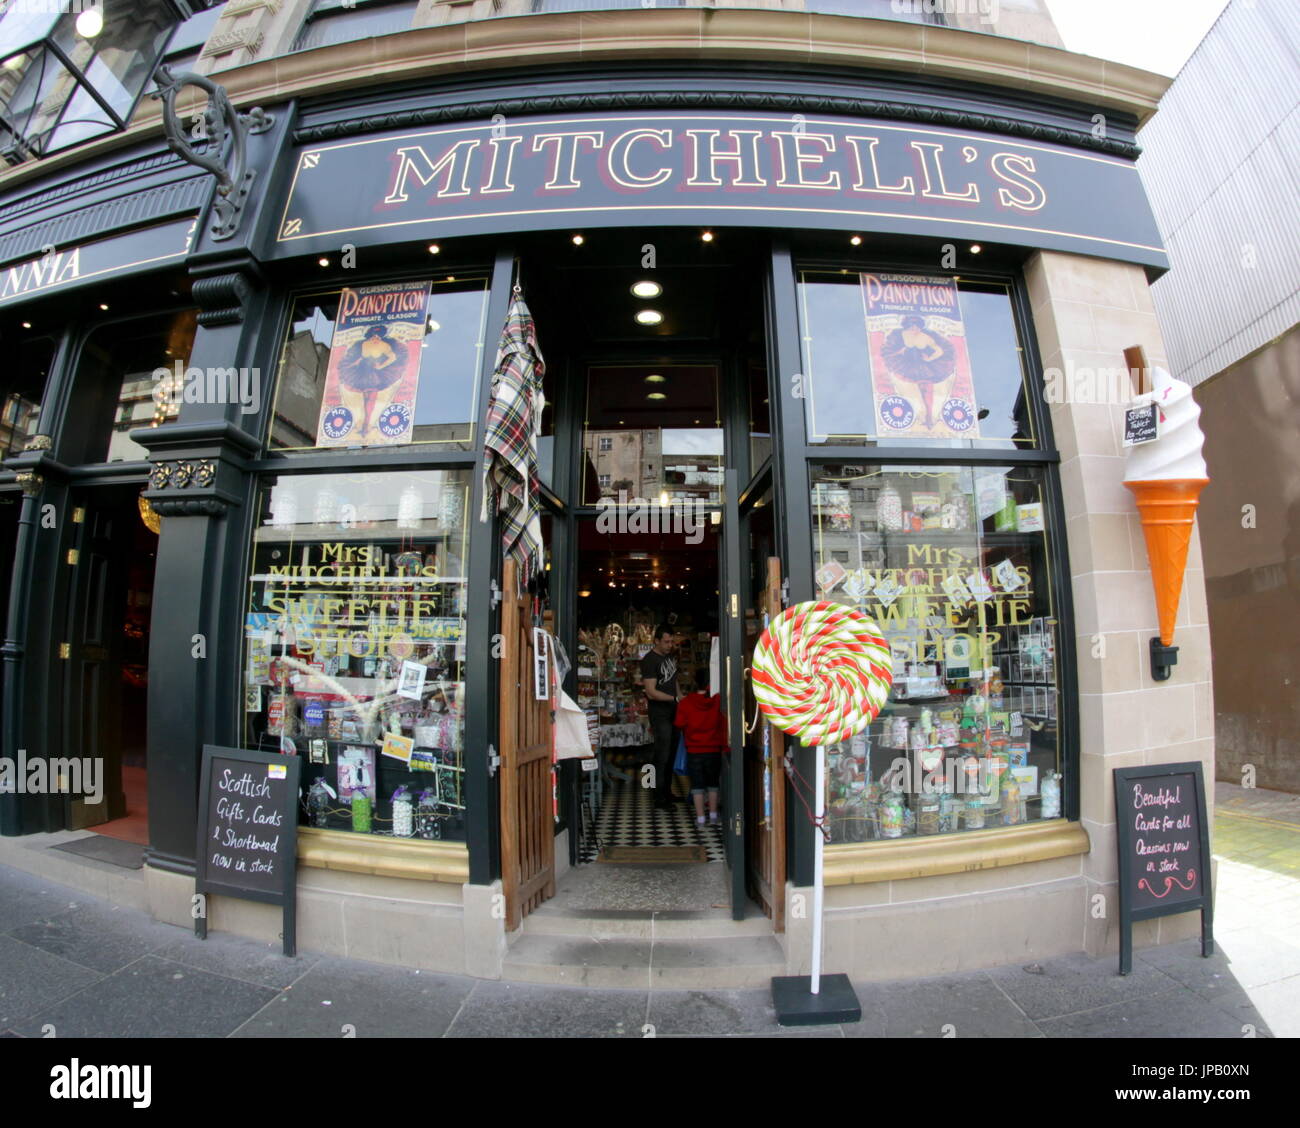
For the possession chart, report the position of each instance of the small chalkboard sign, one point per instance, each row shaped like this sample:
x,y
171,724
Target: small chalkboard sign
x,y
248,832
1164,849
1141,424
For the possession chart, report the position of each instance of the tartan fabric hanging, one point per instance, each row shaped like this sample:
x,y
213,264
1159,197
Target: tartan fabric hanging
x,y
514,422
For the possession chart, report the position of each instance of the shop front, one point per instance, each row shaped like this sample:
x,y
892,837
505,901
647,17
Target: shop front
x,y
796,346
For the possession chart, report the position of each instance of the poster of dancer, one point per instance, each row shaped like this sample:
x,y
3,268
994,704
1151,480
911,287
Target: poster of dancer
x,y
374,366
921,381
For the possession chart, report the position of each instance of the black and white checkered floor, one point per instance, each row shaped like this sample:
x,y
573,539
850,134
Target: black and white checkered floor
x,y
627,817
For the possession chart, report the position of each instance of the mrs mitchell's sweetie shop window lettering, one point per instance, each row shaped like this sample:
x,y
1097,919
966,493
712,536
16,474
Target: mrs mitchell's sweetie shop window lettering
x,y
384,364
952,563
910,358
355,646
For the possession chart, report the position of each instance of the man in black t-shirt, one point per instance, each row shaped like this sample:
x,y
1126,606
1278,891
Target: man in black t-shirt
x,y
659,677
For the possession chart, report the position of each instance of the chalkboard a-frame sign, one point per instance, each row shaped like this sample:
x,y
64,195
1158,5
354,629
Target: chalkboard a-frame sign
x,y
248,832
1164,850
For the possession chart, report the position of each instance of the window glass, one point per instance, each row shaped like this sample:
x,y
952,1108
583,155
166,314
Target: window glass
x,y
444,381
952,565
23,390
355,646
336,21
893,357
118,389
652,432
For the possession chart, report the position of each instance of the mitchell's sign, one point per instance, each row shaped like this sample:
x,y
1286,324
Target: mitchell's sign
x,y
57,267
739,169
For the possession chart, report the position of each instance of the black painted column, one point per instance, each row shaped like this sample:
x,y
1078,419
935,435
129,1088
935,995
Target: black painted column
x,y
200,487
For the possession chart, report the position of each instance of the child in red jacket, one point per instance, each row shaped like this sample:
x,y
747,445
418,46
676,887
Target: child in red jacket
x,y
699,716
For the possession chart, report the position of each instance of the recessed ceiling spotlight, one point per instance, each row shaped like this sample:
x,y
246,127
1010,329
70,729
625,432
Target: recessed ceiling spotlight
x,y
647,289
323,261
656,396
578,240
975,248
103,306
656,379
707,236
856,240
649,317
434,249
27,324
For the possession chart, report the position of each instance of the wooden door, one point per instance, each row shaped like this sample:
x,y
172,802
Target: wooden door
x,y
93,662
766,797
527,813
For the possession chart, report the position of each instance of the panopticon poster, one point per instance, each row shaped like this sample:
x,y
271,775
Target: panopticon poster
x,y
921,382
374,366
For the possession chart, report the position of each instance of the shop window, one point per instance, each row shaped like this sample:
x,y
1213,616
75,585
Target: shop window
x,y
340,21
71,76
185,47
118,388
958,578
895,357
355,646
382,374
23,390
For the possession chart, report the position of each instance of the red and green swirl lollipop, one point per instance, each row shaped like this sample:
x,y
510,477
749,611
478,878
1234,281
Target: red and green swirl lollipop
x,y
822,672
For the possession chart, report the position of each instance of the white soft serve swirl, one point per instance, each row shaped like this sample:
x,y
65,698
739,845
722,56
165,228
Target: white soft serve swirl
x,y
1177,452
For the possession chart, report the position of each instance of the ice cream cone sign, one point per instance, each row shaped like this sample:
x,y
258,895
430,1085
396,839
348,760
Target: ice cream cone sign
x,y
1167,474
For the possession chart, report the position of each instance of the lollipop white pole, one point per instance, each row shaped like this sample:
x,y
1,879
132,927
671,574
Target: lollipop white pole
x,y
819,844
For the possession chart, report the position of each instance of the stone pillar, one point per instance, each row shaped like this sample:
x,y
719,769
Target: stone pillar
x,y
1086,312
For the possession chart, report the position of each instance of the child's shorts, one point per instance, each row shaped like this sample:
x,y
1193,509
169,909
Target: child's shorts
x,y
705,769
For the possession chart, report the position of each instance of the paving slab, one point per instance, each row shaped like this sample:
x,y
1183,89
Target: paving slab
x,y
151,998
969,1005
31,979
523,1010
714,1013
338,998
102,937
1073,983
24,898
1177,1012
237,957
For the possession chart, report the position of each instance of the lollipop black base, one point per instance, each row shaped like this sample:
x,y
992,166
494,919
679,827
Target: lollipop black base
x,y
796,1005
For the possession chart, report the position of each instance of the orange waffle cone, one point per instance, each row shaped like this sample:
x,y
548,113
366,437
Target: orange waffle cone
x,y
1168,510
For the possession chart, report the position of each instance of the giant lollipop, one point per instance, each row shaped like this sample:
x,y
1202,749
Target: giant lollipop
x,y
821,672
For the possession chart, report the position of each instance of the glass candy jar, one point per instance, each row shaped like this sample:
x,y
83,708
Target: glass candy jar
x,y
403,813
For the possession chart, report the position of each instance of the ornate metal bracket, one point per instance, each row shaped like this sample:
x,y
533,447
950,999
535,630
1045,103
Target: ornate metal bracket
x,y
221,123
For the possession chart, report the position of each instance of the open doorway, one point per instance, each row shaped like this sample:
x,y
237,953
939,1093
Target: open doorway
x,y
629,586
110,604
